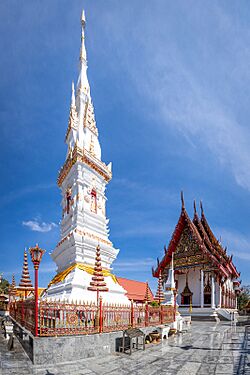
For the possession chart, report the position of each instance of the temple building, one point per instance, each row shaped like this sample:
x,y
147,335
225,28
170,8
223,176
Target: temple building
x,y
84,226
204,274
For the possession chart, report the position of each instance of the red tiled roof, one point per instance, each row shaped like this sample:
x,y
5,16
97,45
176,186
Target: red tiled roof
x,y
136,290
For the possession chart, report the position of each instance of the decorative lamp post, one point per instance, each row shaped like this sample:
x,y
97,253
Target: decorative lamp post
x,y
36,257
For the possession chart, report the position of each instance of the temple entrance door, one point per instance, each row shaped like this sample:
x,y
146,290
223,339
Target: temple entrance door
x,y
207,295
186,295
207,299
186,300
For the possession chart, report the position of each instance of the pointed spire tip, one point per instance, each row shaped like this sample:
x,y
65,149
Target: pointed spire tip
x,y
195,211
182,201
201,206
83,18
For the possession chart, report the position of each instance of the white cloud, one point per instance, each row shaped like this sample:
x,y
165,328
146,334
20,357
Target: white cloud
x,y
132,265
35,226
17,194
196,83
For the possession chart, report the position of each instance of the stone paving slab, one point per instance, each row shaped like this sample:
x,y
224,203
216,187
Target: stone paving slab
x,y
209,348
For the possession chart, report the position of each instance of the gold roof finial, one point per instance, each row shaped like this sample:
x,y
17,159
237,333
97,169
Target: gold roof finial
x,y
182,201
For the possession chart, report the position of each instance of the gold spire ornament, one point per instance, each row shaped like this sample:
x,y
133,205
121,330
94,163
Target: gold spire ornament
x,y
98,284
147,294
25,281
159,296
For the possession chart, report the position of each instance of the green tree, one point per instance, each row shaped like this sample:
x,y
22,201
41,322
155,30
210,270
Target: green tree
x,y
244,297
4,286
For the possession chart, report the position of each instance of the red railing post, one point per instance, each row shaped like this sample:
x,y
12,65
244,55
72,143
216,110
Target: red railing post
x,y
161,314
100,316
146,315
132,314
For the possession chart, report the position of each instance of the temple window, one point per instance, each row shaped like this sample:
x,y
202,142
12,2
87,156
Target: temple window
x,y
93,202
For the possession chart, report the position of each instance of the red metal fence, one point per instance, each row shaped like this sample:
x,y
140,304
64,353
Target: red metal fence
x,y
63,318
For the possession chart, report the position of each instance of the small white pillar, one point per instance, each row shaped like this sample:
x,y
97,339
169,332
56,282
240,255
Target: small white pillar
x,y
212,292
219,304
202,289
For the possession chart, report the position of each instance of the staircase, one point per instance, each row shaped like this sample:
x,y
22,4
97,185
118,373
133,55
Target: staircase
x,y
201,314
227,314
243,320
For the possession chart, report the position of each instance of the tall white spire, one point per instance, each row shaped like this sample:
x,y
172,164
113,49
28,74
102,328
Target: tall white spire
x,y
83,88
83,54
73,99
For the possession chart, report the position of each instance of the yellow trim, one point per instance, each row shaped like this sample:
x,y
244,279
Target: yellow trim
x,y
62,275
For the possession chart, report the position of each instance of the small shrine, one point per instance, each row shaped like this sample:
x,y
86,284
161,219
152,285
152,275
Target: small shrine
x,y
204,274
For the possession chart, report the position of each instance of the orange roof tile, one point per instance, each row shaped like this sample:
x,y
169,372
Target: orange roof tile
x,y
136,290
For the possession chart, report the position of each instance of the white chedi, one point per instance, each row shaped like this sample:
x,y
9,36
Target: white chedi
x,y
83,179
169,290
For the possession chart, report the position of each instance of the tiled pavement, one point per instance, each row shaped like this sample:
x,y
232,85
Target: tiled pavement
x,y
207,349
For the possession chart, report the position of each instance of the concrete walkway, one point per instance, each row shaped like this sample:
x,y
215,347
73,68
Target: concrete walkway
x,y
208,348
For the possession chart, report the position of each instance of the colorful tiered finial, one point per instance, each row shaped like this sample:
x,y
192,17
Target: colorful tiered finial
x,y
13,282
147,294
159,297
98,284
12,287
25,281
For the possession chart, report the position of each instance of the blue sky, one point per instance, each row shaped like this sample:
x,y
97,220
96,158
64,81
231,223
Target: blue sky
x,y
170,83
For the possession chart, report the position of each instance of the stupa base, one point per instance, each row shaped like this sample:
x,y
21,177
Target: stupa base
x,y
75,285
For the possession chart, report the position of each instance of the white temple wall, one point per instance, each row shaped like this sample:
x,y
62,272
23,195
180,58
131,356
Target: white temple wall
x,y
193,283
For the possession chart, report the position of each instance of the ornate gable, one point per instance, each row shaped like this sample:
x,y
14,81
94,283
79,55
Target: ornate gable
x,y
188,251
185,236
89,118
